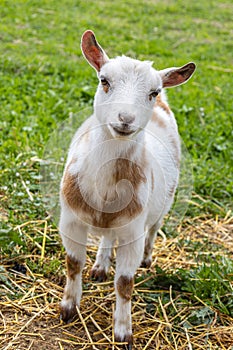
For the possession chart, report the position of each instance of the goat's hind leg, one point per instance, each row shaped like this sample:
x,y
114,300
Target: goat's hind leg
x,y
149,244
103,259
74,241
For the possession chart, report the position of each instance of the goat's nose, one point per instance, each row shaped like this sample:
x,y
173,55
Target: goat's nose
x,y
126,118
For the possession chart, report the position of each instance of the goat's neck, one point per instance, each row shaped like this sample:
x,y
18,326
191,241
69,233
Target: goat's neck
x,y
104,151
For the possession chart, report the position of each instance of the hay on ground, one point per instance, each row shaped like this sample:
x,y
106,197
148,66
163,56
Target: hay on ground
x,y
29,302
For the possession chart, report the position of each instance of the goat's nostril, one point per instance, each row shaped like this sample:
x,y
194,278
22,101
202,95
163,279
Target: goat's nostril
x,y
125,125
120,117
126,118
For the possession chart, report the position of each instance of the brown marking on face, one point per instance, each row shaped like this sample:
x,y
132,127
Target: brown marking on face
x,y
73,267
160,103
123,169
125,287
106,88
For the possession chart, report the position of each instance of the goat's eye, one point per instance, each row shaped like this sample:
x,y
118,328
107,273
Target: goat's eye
x,y
104,81
105,84
153,94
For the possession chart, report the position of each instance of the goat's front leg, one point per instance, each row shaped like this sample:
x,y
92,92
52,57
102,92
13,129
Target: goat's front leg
x,y
74,241
128,260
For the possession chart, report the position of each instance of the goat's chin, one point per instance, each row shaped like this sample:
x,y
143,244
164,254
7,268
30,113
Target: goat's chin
x,y
122,134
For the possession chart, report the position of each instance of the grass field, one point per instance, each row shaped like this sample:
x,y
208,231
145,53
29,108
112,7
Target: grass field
x,y
185,301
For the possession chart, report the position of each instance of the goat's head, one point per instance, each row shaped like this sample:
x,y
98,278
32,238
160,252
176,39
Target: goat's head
x,y
127,87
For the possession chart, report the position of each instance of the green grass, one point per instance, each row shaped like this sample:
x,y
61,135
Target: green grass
x,y
210,282
44,78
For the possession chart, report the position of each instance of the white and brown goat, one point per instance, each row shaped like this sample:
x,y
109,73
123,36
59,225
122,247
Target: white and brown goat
x,y
120,177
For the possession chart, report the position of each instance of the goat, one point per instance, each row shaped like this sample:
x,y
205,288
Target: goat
x,y
120,176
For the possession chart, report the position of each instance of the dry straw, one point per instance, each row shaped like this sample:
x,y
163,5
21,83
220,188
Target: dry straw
x,y
29,303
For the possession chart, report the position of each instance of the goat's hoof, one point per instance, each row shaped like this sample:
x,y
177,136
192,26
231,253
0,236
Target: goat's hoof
x,y
126,339
98,274
68,313
146,263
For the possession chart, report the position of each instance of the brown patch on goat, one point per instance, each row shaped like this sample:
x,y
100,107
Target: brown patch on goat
x,y
125,287
158,120
176,153
124,170
152,181
126,339
68,314
98,274
160,103
149,241
73,267
147,248
106,88
172,190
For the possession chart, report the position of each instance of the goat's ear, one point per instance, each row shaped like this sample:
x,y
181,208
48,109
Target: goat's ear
x,y
92,51
176,76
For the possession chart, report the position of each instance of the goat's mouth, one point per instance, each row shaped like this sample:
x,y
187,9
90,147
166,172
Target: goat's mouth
x,y
123,130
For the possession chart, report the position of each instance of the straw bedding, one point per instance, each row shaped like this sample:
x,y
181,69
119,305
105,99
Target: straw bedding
x,y
29,301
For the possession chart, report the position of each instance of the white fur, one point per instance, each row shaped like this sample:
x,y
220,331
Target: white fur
x,y
93,153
